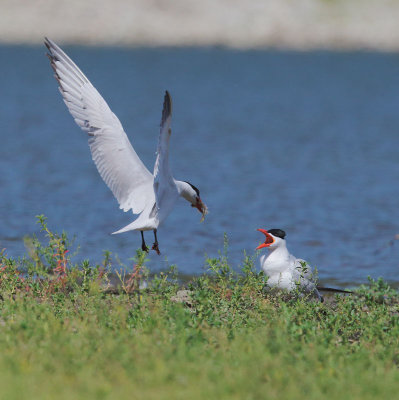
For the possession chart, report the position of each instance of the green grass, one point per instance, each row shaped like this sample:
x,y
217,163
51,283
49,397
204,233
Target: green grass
x,y
63,335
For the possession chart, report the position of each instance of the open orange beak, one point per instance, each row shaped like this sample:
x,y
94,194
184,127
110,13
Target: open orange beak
x,y
269,239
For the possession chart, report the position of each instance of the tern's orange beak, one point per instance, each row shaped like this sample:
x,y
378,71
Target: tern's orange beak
x,y
269,239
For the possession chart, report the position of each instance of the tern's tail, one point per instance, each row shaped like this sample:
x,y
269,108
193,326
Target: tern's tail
x,y
131,227
140,224
333,290
125,229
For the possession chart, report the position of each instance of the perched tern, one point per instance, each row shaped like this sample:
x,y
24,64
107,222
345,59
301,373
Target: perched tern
x,y
285,271
153,196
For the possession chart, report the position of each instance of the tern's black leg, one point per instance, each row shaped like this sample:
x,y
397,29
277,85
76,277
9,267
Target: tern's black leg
x,y
155,245
143,245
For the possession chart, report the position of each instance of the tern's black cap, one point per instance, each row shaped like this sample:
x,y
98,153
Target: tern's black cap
x,y
277,232
195,189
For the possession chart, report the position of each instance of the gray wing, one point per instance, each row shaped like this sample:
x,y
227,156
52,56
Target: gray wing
x,y
303,270
305,276
164,184
116,161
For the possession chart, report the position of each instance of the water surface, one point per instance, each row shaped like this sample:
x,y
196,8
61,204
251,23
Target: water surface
x,y
303,141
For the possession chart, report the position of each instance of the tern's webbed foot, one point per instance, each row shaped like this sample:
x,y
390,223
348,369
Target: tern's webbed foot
x,y
145,248
156,248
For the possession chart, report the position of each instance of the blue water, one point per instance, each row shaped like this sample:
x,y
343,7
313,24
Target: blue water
x,y
303,141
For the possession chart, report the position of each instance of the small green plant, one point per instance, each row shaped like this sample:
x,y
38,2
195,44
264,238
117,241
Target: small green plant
x,y
47,270
165,283
11,279
219,267
130,282
377,291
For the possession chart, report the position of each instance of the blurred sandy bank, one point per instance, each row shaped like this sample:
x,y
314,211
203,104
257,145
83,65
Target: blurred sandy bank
x,y
293,24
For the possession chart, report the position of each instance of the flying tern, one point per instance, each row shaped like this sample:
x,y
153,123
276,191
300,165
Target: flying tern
x,y
153,196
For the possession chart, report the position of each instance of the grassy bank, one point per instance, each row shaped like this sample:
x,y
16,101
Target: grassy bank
x,y
65,333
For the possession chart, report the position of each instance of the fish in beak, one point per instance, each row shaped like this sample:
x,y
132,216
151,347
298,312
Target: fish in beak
x,y
201,207
269,239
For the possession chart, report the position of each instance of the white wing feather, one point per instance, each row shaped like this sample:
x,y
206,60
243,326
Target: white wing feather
x,y
116,161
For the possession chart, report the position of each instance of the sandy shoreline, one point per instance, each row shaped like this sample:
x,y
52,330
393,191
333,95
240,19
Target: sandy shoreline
x,y
309,24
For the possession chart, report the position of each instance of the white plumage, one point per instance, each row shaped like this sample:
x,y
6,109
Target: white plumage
x,y
284,271
152,196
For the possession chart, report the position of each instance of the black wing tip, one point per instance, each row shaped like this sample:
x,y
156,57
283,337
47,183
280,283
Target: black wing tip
x,y
53,58
52,47
167,107
48,43
49,46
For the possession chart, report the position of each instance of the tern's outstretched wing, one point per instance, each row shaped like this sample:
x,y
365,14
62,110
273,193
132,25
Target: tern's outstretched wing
x,y
116,161
164,184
